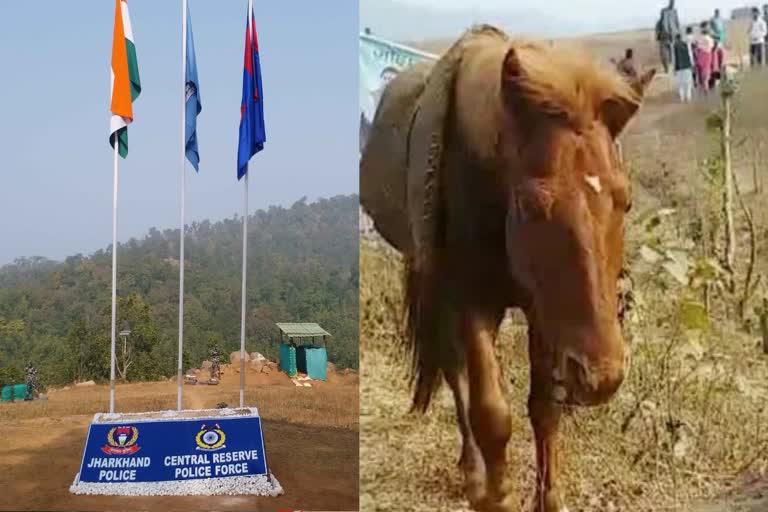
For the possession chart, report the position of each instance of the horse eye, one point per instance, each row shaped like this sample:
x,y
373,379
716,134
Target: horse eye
x,y
622,199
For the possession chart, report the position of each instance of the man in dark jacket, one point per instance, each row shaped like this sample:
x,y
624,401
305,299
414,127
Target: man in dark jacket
x,y
683,63
667,28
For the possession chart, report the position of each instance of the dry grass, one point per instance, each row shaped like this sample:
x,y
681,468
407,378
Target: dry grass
x,y
689,423
707,409
327,407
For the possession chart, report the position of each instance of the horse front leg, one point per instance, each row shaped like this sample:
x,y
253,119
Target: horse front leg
x,y
545,418
545,413
489,412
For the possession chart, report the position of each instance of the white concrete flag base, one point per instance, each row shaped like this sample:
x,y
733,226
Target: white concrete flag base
x,y
254,485
260,485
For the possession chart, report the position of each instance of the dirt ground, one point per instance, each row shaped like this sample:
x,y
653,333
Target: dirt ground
x,y
751,497
310,434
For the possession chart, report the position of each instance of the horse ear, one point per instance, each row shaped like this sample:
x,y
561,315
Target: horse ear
x,y
512,70
617,112
512,78
640,85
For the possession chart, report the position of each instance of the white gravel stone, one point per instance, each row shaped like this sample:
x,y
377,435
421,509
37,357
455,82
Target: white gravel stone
x,y
260,485
172,415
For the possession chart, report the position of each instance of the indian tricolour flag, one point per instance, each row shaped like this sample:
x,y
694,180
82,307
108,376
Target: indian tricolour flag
x,y
125,78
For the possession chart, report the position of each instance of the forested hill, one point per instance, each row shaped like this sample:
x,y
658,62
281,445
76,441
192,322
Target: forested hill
x,y
302,266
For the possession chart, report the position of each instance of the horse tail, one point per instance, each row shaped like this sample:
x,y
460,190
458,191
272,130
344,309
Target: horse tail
x,y
429,334
419,341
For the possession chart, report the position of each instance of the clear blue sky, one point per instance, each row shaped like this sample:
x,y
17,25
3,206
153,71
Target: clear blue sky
x,y
55,159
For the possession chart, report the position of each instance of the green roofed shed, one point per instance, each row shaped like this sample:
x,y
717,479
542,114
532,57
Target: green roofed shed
x,y
302,330
305,358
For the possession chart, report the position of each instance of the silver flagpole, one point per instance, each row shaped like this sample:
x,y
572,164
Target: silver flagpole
x,y
114,283
183,190
245,251
242,317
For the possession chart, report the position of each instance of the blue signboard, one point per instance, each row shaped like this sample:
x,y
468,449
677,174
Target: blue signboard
x,y
181,449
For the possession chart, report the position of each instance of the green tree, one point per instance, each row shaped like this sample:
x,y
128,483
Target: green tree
x,y
302,266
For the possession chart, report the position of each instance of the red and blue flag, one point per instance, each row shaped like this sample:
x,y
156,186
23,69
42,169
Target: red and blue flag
x,y
252,135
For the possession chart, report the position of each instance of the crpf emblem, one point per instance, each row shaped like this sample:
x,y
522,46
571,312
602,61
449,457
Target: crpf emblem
x,y
121,441
210,437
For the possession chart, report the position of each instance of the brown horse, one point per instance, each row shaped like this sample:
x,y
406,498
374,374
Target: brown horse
x,y
494,172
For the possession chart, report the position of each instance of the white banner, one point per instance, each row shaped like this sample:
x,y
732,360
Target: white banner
x,y
380,62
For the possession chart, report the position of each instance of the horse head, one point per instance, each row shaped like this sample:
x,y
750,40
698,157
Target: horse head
x,y
567,199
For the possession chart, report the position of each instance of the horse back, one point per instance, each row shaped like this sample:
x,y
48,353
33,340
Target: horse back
x,y
384,161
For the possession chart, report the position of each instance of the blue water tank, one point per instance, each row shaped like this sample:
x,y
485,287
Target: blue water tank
x,y
288,359
13,392
317,362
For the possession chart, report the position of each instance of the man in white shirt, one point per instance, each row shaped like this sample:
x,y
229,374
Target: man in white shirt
x,y
757,34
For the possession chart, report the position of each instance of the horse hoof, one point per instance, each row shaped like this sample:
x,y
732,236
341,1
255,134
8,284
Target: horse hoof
x,y
474,484
473,470
552,501
508,503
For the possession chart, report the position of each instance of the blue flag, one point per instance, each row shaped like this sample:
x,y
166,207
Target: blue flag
x,y
252,135
193,105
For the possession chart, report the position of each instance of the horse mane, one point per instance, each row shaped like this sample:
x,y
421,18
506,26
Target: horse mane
x,y
568,82
557,81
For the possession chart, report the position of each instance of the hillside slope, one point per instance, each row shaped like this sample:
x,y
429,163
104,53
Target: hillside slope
x,y
302,266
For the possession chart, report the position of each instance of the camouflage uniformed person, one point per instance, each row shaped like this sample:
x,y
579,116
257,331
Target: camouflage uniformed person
x,y
215,361
31,378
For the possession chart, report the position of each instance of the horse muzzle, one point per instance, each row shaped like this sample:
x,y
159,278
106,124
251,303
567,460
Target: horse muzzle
x,y
580,381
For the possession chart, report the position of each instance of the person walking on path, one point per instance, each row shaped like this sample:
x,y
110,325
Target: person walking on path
x,y
667,28
690,39
765,19
682,55
757,36
718,65
717,25
705,46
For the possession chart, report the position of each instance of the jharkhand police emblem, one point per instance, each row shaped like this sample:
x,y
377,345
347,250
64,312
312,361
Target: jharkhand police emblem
x,y
121,441
189,90
210,438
